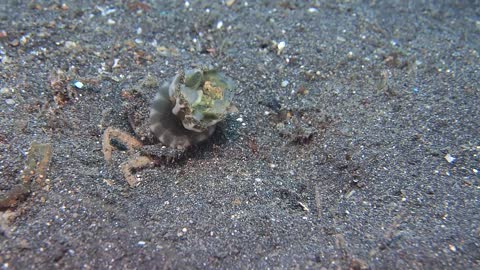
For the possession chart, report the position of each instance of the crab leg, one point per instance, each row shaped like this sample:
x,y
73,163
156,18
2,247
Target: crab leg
x,y
130,141
134,164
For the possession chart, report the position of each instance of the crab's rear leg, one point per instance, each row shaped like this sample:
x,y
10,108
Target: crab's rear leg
x,y
128,140
129,167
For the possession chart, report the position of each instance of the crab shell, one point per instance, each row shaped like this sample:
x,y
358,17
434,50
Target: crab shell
x,y
165,125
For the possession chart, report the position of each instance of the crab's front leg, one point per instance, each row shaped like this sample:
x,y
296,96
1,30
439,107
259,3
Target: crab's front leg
x,y
151,156
131,143
128,140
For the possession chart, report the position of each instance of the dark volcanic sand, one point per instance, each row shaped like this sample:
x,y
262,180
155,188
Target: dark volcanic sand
x,y
337,158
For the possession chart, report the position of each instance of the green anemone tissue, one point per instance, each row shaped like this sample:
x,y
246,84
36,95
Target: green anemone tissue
x,y
202,98
186,109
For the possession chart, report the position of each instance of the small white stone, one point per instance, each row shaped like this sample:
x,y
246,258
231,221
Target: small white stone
x,y
78,85
449,158
139,31
116,63
4,91
341,39
106,11
70,44
280,46
24,39
110,22
187,4
10,101
240,119
312,10
219,25
141,243
285,83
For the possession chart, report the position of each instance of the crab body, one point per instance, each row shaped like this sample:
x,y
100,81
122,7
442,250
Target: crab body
x,y
183,113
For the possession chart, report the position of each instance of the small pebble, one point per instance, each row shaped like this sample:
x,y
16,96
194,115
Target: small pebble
x,y
106,11
219,25
449,158
15,43
24,40
312,10
280,47
285,83
78,84
116,63
229,3
9,101
70,44
4,91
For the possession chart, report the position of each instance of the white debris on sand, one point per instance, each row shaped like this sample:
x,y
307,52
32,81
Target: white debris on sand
x,y
449,158
280,46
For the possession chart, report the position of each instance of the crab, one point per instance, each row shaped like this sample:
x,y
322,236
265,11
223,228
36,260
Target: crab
x,y
184,112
